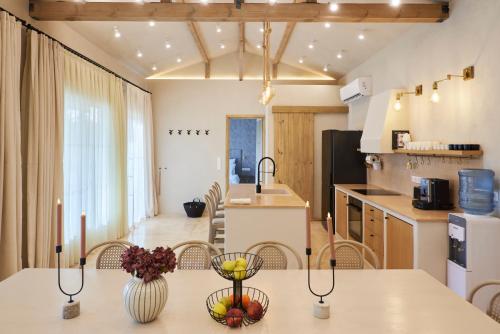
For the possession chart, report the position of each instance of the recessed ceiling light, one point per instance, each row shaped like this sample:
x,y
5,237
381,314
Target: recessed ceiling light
x,y
327,25
139,54
361,36
152,23
179,59
339,55
301,60
395,3
218,29
325,68
117,32
334,6
311,45
154,68
168,45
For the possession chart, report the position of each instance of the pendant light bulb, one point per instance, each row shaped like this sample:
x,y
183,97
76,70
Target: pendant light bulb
x,y
435,94
397,105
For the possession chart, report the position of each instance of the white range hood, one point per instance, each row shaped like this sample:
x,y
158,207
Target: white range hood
x,y
381,119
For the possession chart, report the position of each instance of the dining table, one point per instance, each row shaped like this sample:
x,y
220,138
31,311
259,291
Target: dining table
x,y
363,301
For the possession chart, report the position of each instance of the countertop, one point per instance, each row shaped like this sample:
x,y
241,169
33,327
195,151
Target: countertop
x,y
400,204
364,301
291,200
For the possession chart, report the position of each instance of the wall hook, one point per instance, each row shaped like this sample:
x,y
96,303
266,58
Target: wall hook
x,y
189,132
170,132
207,132
179,132
198,132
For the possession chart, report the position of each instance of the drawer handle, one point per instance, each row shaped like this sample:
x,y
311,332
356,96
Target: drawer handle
x,y
371,210
371,235
371,220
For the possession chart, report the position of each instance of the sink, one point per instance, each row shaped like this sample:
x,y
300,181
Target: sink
x,y
274,192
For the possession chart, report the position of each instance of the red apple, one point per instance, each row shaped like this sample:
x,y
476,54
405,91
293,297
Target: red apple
x,y
234,317
255,310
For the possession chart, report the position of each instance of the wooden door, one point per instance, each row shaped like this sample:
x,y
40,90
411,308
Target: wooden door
x,y
399,244
294,152
341,213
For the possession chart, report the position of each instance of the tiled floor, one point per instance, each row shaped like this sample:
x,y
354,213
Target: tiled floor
x,y
168,230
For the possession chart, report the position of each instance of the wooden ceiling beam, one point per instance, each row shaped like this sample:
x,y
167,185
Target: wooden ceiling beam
x,y
227,12
290,26
201,45
241,49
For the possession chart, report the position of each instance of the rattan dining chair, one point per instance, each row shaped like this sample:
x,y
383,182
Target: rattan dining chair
x,y
218,192
493,310
215,225
110,256
273,255
213,195
349,255
196,255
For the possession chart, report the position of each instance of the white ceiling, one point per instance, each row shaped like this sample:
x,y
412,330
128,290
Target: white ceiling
x,y
327,42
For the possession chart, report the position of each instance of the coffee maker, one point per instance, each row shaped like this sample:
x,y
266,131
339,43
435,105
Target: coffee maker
x,y
432,194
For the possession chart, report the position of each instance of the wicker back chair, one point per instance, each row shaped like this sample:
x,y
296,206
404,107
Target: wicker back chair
x,y
110,256
196,255
214,224
493,310
349,255
273,255
219,209
219,189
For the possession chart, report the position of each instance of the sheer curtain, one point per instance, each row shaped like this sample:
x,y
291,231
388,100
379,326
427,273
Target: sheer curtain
x,y
10,146
142,201
94,155
43,113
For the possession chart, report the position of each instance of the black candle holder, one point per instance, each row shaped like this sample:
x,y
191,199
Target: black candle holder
x,y
72,308
321,309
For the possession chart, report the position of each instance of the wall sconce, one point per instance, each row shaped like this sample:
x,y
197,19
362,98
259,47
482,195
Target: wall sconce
x,y
467,74
418,91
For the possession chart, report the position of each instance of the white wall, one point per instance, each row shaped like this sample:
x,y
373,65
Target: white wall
x,y
66,35
468,111
191,161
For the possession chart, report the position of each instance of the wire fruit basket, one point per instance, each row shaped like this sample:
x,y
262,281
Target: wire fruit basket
x,y
237,305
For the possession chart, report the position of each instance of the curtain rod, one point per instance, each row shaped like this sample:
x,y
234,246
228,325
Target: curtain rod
x,y
73,51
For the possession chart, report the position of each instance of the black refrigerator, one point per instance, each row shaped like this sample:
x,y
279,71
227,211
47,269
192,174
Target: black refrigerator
x,y
342,162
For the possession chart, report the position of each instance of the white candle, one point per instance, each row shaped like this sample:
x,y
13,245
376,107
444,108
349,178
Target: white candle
x,y
308,225
331,238
83,235
59,223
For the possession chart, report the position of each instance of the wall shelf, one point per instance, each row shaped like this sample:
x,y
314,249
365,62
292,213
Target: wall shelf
x,y
441,153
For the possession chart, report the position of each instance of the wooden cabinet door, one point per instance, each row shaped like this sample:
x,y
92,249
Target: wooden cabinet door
x,y
294,152
341,213
399,244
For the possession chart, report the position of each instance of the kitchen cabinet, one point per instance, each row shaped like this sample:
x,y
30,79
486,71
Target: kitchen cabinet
x,y
374,233
399,244
341,213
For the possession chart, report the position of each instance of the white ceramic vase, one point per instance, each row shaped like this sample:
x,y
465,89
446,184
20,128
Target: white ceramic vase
x,y
145,301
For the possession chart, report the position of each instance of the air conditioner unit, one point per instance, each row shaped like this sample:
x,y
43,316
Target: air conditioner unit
x,y
356,89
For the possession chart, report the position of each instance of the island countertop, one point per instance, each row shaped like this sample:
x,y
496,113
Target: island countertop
x,y
290,200
400,204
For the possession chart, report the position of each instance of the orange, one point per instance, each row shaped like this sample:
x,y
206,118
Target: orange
x,y
245,300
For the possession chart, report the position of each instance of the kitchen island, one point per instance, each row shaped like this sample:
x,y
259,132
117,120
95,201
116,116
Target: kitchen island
x,y
277,214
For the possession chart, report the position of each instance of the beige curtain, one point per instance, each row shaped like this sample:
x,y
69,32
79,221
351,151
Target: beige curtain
x,y
43,111
94,155
10,146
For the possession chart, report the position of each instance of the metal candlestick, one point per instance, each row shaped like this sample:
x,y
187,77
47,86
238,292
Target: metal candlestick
x,y
71,309
321,309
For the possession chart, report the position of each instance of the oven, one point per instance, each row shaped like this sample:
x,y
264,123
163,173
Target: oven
x,y
355,219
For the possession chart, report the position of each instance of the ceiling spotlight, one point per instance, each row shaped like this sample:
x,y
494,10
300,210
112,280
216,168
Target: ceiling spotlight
x,y
339,55
168,45
152,23
179,59
218,29
325,68
222,46
117,32
301,60
139,54
327,25
361,36
334,6
395,3
154,68
311,45
204,2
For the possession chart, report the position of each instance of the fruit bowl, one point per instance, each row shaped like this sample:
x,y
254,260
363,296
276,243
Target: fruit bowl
x,y
237,320
252,265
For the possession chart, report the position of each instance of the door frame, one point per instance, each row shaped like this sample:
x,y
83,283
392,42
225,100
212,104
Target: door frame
x,y
262,117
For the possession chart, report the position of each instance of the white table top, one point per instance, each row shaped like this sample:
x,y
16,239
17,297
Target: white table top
x,y
368,301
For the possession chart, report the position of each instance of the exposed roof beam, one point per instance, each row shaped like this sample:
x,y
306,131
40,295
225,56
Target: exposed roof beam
x,y
201,45
241,49
249,12
290,26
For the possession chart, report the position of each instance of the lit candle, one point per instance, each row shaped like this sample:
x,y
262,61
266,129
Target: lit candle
x,y
83,236
331,239
59,223
308,225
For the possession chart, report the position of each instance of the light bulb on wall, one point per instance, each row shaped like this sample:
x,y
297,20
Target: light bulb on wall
x,y
301,60
435,94
395,3
334,6
327,25
168,45
397,105
152,23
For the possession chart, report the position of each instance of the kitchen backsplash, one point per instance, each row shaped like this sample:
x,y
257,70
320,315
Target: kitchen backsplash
x,y
395,175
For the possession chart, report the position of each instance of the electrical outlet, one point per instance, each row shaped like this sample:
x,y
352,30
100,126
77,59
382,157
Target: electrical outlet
x,y
416,179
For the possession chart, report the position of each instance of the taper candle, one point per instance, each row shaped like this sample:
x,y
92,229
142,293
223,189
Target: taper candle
x,y
59,223
83,235
308,225
331,239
